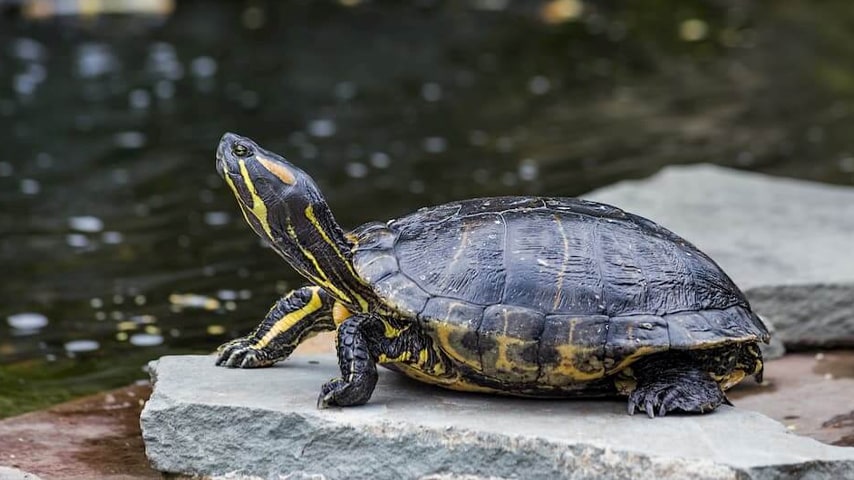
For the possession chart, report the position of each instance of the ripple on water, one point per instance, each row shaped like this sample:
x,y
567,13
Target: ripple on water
x,y
227,295
130,140
28,49
217,218
191,300
86,223
203,67
27,321
435,144
112,238
81,346
539,85
380,160
30,186
77,240
95,60
321,128
145,339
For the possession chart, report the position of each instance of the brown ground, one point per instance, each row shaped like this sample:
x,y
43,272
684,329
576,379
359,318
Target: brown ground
x,y
92,437
99,437
812,394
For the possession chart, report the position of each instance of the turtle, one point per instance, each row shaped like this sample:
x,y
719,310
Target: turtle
x,y
524,296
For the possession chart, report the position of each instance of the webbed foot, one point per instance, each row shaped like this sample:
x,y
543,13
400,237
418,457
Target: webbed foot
x,y
679,388
240,353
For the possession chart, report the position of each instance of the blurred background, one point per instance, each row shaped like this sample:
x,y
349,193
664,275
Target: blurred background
x,y
119,243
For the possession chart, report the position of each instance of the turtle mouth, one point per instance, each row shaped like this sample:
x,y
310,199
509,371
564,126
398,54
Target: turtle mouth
x,y
221,166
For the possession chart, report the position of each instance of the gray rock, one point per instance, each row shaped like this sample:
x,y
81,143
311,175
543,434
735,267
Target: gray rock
x,y
206,420
9,473
787,243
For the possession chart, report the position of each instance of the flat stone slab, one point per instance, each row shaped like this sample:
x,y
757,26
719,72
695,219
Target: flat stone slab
x,y
207,420
9,473
787,243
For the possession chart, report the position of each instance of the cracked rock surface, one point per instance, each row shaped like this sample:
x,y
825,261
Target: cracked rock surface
x,y
207,420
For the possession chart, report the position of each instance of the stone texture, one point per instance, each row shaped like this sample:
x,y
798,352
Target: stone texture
x,y
206,420
787,243
9,473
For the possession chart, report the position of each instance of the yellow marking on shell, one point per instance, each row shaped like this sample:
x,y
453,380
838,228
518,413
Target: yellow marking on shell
x,y
423,356
443,333
281,172
630,359
463,239
291,319
259,208
502,361
452,383
562,268
566,369
340,313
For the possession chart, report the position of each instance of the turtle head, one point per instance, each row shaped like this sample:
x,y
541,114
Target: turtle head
x,y
285,207
269,189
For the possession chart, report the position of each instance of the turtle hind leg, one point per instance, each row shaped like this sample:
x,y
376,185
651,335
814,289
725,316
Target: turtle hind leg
x,y
673,383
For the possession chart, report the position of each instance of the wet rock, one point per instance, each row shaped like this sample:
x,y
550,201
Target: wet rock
x,y
205,420
9,473
785,242
809,393
94,437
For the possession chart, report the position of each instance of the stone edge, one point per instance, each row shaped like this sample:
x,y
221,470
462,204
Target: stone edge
x,y
411,451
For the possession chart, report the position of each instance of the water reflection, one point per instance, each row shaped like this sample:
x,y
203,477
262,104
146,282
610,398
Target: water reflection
x,y
116,227
81,346
27,322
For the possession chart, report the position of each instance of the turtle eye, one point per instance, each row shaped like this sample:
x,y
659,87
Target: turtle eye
x,y
240,150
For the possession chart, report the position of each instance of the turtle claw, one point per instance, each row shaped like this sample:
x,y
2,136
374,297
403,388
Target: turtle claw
x,y
334,393
690,394
649,408
341,393
240,353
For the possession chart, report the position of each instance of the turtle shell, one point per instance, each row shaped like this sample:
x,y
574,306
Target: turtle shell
x,y
550,290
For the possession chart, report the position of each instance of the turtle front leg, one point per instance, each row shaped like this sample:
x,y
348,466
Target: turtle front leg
x,y
297,316
357,364
367,339
673,383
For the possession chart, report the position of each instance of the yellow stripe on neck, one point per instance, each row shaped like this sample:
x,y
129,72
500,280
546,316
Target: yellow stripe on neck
x,y
259,209
309,214
240,204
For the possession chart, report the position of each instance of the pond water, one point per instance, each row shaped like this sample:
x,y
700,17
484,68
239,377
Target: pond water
x,y
120,243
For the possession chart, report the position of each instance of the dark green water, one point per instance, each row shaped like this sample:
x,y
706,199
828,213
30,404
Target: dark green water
x,y
111,212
